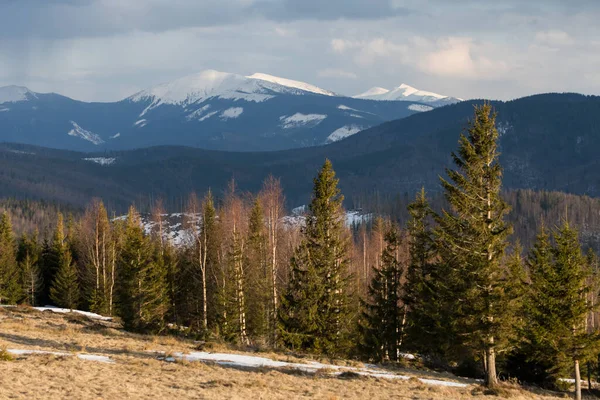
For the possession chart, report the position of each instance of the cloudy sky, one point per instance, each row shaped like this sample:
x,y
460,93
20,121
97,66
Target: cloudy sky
x,y
103,50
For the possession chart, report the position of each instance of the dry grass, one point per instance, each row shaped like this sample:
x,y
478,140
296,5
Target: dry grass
x,y
139,374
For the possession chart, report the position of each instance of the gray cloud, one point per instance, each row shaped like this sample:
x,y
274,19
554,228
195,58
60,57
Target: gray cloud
x,y
107,49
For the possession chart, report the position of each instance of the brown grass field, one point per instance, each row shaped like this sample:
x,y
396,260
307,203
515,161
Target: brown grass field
x,y
138,373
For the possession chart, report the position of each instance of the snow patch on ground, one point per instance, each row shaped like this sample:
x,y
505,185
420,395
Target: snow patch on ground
x,y
141,123
231,113
299,119
101,160
79,132
115,136
82,356
420,107
66,310
343,132
245,361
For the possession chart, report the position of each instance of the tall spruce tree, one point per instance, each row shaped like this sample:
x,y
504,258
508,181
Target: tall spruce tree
x,y
471,241
315,314
424,290
383,315
257,274
10,290
557,306
143,292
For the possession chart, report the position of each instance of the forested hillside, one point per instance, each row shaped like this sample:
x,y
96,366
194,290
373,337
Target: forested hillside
x,y
456,282
547,142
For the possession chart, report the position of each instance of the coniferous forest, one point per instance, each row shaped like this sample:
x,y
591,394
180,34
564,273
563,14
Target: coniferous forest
x,y
464,281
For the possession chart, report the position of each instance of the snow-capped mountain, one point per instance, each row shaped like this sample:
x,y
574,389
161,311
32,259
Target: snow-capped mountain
x,y
14,94
405,92
209,109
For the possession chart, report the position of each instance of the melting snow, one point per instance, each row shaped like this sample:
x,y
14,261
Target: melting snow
x,y
343,132
232,112
66,310
299,119
82,356
244,361
420,107
101,160
79,132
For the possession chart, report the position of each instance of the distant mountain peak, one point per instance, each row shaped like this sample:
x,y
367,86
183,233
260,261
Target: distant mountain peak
x,y
405,92
13,94
307,87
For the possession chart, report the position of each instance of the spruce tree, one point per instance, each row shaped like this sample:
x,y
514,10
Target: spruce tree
x,y
28,257
471,239
383,315
424,289
315,314
557,306
143,291
64,291
257,274
10,290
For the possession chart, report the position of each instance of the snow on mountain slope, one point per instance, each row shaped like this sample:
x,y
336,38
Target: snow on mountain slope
x,y
343,132
79,132
403,92
299,119
101,160
215,84
291,83
13,94
420,107
374,91
231,113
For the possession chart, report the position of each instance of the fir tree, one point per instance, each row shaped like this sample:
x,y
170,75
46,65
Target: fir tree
x,y
557,306
471,241
10,290
383,314
315,308
64,291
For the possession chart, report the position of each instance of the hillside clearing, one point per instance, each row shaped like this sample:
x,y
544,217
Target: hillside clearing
x,y
111,364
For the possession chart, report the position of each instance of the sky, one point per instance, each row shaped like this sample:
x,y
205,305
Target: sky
x,y
106,50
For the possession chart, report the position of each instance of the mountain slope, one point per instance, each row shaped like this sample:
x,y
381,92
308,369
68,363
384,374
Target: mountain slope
x,y
547,142
210,109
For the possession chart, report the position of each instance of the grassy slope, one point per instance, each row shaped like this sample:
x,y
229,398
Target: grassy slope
x,y
139,374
